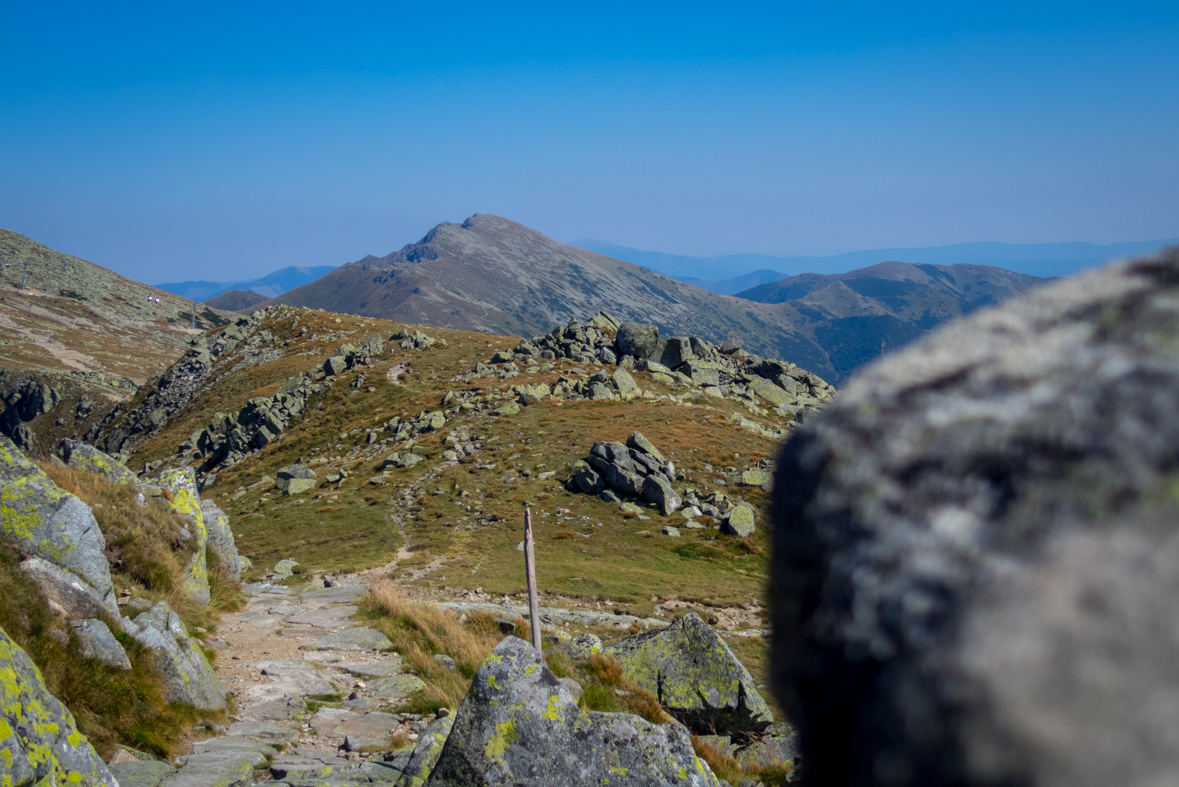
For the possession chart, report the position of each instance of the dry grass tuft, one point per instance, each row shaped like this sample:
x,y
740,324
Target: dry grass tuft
x,y
420,631
727,768
560,534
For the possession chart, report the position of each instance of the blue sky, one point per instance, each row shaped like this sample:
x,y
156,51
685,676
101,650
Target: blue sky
x,y
218,141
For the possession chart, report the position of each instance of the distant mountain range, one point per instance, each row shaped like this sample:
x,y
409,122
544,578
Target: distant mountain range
x,y
730,274
495,275
236,300
269,286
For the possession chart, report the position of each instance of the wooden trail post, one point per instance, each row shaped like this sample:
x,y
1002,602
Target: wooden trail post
x,y
530,573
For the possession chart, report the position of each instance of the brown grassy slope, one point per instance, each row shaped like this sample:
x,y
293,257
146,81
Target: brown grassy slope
x,y
361,524
495,275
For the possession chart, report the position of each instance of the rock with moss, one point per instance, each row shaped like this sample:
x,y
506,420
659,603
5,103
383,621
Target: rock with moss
x,y
426,753
39,742
41,519
188,676
86,457
520,725
739,522
695,676
185,500
221,541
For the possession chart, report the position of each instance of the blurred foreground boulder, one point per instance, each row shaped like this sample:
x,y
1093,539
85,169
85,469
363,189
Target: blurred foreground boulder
x,y
976,553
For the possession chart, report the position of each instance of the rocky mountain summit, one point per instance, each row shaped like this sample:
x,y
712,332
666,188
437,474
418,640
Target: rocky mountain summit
x,y
492,274
975,556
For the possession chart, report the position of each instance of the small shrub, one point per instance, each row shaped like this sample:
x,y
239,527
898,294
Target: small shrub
x,y
562,534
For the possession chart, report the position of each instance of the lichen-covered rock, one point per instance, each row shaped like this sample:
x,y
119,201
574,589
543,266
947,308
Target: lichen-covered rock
x,y
39,743
44,520
519,725
657,491
695,677
626,385
507,409
87,457
188,676
637,339
739,522
99,643
976,560
426,753
67,595
186,501
587,479
221,541
640,443
295,479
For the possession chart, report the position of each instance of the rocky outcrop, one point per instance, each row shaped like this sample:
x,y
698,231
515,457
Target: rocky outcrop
x,y
186,501
721,371
86,457
39,742
695,676
635,468
519,725
975,557
295,479
128,425
220,539
43,520
188,677
25,400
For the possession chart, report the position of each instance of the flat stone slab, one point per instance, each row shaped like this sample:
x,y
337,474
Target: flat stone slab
x,y
267,589
394,687
265,731
279,709
330,617
225,768
340,723
379,669
351,639
336,595
141,773
233,743
285,766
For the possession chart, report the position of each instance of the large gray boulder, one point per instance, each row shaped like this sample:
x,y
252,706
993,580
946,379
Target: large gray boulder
x,y
188,676
67,595
186,501
39,742
695,676
976,560
637,340
44,520
519,725
220,539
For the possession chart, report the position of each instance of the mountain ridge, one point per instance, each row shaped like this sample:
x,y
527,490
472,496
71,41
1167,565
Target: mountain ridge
x,y
1037,259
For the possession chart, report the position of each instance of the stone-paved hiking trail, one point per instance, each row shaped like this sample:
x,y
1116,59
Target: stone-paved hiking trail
x,y
313,691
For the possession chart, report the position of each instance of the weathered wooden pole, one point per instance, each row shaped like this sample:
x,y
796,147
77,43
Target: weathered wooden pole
x,y
530,573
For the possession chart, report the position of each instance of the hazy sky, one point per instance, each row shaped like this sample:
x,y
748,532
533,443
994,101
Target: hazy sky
x,y
182,141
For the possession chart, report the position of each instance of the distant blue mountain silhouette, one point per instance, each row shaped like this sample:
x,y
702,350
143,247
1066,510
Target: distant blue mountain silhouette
x,y
271,285
733,273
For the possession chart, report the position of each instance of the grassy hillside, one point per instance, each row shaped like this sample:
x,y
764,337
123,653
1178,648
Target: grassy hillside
x,y
458,521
